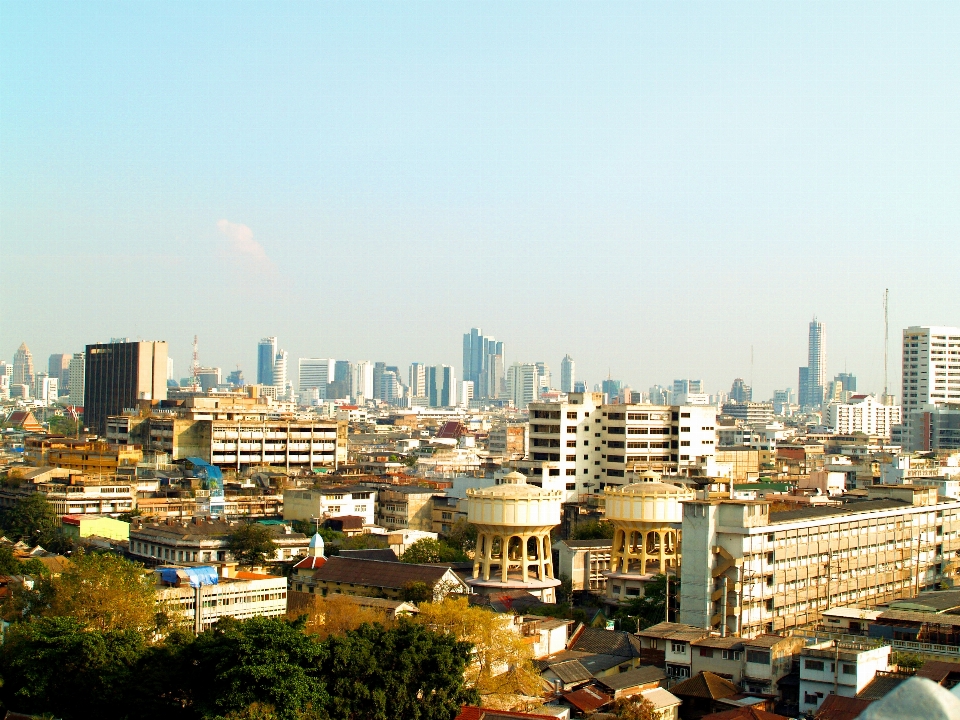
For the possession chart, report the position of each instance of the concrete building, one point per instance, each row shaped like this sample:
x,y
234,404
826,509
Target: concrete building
x,y
934,428
483,364
568,374
46,389
585,562
315,373
749,412
81,526
862,414
76,374
77,495
199,540
838,668
769,571
22,367
513,522
89,457
508,440
442,388
58,366
813,377
646,516
379,578
931,368
418,380
319,504
118,375
405,507
266,358
523,384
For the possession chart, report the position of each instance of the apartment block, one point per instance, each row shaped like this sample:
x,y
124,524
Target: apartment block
x,y
931,367
862,414
119,374
838,668
405,507
760,571
337,501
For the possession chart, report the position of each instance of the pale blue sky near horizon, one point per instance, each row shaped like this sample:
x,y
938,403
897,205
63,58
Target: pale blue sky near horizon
x,y
654,188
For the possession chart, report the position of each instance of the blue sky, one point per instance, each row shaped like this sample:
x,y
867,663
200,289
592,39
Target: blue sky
x,y
654,188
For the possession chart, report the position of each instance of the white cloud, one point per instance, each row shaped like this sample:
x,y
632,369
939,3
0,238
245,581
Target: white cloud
x,y
243,248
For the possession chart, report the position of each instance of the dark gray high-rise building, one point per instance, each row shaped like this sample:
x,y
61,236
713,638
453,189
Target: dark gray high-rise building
x,y
117,375
740,392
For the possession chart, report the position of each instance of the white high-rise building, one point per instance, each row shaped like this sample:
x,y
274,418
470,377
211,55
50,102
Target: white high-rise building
x,y
315,373
169,369
863,414
361,382
931,368
466,394
418,380
280,370
568,373
543,374
45,388
76,377
523,384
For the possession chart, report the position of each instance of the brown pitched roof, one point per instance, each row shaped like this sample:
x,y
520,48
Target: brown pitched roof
x,y
838,707
587,699
744,713
643,675
674,631
705,685
606,642
940,672
377,573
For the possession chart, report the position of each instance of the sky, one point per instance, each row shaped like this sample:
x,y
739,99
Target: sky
x,y
661,190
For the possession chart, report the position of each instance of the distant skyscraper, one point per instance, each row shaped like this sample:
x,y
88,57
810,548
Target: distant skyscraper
x,y
740,392
266,359
816,366
391,391
848,380
209,378
579,386
315,373
58,366
523,384
361,382
378,369
612,389
22,366
235,378
543,371
803,387
483,363
418,380
280,370
117,375
442,387
568,372
75,378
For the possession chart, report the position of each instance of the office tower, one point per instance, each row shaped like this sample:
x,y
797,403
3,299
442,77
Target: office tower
x,y
280,370
235,378
390,388
209,378
740,392
339,387
523,384
466,393
58,366
418,380
483,363
611,388
442,387
266,358
543,370
813,378
848,381
315,373
76,375
568,372
931,368
361,382
579,386
378,369
117,375
44,388
22,366
170,375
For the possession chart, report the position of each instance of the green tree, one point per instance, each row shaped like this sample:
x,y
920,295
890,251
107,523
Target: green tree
x,y
59,666
651,607
32,520
908,660
63,425
428,550
462,536
416,591
636,707
405,672
236,663
100,591
251,544
594,530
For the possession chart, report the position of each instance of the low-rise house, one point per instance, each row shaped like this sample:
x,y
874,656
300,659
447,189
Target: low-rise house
x,y
633,682
202,540
702,693
403,507
673,640
838,668
767,660
81,526
722,656
849,620
376,578
840,707
666,705
545,635
608,642
330,502
587,700
744,713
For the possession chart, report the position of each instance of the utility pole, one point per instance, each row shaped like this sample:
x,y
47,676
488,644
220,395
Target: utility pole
x,y
886,341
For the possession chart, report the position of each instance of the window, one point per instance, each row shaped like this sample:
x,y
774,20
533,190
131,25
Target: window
x,y
731,654
571,443
809,664
616,589
571,471
571,416
571,458
633,591
706,652
848,669
678,647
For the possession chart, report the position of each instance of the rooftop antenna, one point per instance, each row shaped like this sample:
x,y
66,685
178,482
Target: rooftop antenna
x,y
196,364
886,339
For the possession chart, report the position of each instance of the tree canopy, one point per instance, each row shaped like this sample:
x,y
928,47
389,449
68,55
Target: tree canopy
x,y
428,550
650,608
594,530
251,544
33,520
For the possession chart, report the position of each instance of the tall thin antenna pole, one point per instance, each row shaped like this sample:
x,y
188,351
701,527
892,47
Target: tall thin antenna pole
x,y
886,339
196,364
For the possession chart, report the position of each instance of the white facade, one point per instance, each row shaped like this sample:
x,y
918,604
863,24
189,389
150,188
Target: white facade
x,y
931,367
863,414
836,668
418,380
362,381
315,373
254,595
280,370
523,384
45,389
320,504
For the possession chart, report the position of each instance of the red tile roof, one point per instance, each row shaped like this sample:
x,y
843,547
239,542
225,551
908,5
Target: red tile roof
x,y
310,563
744,713
472,712
587,699
838,707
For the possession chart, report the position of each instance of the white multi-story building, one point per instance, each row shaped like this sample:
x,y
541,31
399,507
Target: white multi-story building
x,y
45,389
523,384
361,381
931,368
280,370
581,445
863,414
75,376
418,380
315,373
838,668
322,503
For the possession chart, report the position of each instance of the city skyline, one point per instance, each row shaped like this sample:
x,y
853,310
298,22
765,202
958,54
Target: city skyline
x,y
628,165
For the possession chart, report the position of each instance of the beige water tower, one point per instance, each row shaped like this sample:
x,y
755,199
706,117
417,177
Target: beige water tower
x,y
647,516
513,522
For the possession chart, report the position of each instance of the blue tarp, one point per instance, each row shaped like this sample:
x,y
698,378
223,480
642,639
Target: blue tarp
x,y
211,473
201,575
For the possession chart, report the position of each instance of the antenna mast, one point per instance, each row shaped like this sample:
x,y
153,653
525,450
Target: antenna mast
x,y
196,364
886,340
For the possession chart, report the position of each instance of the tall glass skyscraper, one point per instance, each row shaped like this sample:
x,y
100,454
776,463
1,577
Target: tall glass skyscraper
x,y
266,359
813,377
483,364
568,371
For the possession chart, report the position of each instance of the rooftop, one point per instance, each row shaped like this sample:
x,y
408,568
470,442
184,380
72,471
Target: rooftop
x,y
673,631
705,685
825,511
643,675
378,573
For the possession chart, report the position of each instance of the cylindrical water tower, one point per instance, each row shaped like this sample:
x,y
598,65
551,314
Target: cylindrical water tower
x,y
647,516
513,522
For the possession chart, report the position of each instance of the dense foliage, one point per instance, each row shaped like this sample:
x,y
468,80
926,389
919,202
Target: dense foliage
x,y
594,530
33,520
251,544
257,668
428,550
650,608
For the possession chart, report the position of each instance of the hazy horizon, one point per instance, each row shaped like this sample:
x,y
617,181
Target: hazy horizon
x,y
658,190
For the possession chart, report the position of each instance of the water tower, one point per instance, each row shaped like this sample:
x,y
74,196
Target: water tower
x,y
513,522
647,516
